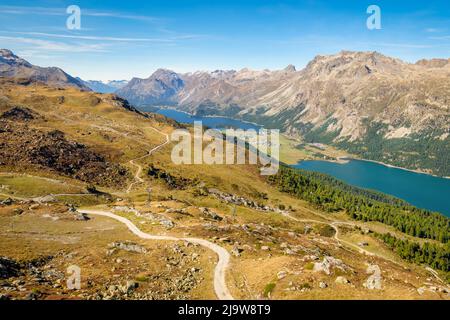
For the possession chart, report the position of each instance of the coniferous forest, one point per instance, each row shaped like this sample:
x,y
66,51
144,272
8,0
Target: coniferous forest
x,y
332,195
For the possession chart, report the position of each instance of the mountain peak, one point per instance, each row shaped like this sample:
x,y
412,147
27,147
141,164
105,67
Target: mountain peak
x,y
8,57
12,66
290,68
163,72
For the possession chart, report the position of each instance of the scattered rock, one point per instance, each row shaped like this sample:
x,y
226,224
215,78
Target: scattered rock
x,y
281,275
241,201
131,286
323,285
236,251
19,114
374,281
34,206
78,216
18,211
45,199
328,263
342,280
128,246
8,268
210,214
4,297
7,202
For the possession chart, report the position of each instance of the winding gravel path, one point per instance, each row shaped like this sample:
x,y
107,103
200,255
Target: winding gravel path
x,y
220,286
137,176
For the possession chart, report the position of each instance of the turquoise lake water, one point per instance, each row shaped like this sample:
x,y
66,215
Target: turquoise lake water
x,y
421,190
211,122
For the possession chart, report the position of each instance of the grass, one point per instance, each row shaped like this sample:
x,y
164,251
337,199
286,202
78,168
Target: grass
x,y
30,186
289,153
309,266
268,289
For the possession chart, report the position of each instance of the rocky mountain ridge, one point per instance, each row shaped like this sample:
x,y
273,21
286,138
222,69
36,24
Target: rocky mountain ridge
x,y
350,99
12,66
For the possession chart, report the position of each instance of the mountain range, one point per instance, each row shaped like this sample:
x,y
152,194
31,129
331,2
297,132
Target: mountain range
x,y
104,86
373,106
14,67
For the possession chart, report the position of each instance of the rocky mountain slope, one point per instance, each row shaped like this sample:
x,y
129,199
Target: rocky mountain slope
x,y
378,107
12,66
161,87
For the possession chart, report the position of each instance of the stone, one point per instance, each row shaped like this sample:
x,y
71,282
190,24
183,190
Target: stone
x,y
7,202
18,211
4,297
328,263
8,268
128,246
281,275
323,285
78,216
210,214
45,199
342,280
236,251
265,248
131,286
34,206
374,281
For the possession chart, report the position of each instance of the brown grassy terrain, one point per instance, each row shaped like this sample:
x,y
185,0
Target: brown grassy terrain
x,y
272,255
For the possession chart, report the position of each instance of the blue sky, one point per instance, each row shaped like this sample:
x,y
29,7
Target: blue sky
x,y
123,39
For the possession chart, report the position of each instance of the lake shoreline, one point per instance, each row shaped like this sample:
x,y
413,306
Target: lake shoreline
x,y
340,160
344,160
420,190
211,116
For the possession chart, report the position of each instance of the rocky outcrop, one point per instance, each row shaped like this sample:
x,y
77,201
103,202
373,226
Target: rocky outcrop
x,y
374,281
21,145
127,246
19,114
328,264
8,268
241,201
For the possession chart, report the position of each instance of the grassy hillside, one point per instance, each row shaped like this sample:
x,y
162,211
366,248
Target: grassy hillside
x,y
266,230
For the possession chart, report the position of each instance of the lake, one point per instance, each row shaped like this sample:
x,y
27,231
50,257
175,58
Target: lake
x,y
211,122
421,190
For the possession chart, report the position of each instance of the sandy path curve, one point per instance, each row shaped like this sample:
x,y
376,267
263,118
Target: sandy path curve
x,y
220,286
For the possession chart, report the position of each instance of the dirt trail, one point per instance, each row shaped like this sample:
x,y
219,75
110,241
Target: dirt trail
x,y
220,286
137,176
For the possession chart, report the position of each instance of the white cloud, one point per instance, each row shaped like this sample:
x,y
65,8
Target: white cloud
x,y
39,44
432,30
87,12
96,38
